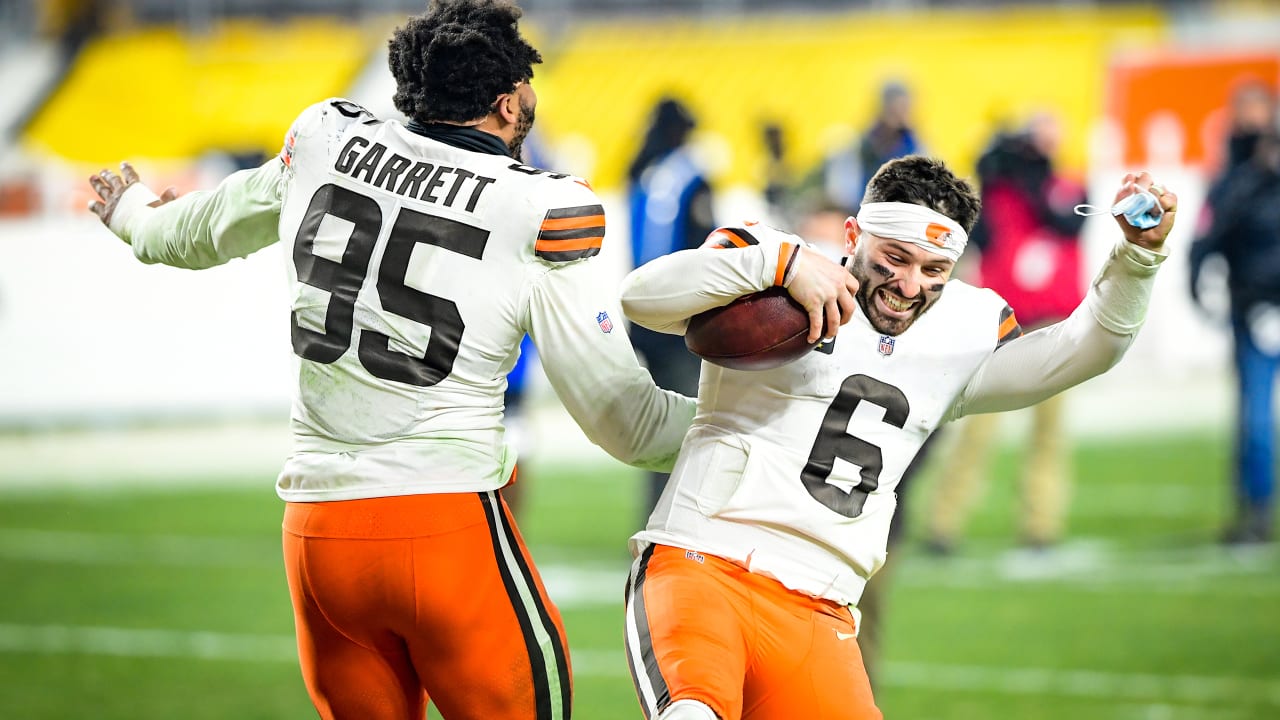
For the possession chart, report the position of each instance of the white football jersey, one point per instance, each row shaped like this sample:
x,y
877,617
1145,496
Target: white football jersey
x,y
415,269
792,471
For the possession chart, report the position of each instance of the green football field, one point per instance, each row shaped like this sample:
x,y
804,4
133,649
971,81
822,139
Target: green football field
x,y
130,602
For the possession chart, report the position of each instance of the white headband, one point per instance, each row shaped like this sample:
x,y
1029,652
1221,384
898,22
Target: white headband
x,y
915,224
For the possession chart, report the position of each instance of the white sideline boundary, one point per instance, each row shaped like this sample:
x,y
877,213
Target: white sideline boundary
x,y
1079,683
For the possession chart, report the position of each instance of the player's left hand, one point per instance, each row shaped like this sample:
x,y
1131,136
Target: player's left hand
x,y
110,187
1151,238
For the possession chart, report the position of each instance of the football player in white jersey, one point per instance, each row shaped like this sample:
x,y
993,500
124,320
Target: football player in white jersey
x,y
742,600
419,255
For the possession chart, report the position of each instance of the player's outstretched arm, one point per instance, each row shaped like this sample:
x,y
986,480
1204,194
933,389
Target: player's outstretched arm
x,y
1095,336
197,230
573,320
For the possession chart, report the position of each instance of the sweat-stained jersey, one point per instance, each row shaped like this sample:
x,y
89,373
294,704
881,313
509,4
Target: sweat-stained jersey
x,y
791,472
415,268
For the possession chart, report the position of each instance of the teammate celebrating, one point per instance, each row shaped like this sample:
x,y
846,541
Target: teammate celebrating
x,y
419,255
742,600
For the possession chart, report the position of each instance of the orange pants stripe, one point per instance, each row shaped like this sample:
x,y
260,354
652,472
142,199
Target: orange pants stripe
x,y
703,628
398,600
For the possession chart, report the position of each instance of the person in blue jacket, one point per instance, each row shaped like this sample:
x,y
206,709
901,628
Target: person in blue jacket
x,y
671,209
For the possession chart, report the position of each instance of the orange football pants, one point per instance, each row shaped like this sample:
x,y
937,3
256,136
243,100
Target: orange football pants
x,y
703,628
401,599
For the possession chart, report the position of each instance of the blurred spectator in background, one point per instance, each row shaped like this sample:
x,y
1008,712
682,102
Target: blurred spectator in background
x,y
777,176
72,22
843,175
1029,240
1241,223
671,209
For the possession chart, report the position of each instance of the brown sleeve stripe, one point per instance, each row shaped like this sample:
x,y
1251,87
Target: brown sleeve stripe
x,y
567,255
545,246
566,249
575,212
596,231
573,223
729,238
718,241
742,238
1009,327
570,233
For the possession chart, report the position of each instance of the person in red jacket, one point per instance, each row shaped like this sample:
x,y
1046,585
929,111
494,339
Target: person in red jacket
x,y
1029,239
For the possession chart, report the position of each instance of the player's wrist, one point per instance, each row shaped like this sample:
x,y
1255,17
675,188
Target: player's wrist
x,y
790,256
134,198
1141,254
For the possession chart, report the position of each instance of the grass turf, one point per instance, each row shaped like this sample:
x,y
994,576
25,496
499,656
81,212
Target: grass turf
x,y
124,602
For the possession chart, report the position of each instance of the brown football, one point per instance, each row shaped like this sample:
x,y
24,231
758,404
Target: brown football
x,y
760,331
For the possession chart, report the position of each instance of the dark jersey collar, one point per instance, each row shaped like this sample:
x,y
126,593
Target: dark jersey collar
x,y
461,137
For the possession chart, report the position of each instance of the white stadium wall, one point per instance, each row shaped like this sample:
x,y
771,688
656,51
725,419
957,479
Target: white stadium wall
x,y
88,333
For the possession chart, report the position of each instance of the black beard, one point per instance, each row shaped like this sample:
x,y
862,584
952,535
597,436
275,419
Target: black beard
x,y
523,125
866,300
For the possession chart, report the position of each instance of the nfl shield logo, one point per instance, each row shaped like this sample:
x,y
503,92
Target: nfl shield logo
x,y
886,345
605,323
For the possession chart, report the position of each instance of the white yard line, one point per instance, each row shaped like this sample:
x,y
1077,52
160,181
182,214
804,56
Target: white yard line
x,y
1090,684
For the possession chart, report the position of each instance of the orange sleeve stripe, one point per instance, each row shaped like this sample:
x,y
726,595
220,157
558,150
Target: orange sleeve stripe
x,y
575,223
1007,326
735,238
567,245
784,254
721,240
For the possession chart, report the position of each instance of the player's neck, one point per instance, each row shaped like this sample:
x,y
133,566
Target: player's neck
x,y
466,137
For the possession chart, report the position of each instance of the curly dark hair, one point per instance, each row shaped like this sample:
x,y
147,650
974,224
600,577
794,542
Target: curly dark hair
x,y
929,182
451,62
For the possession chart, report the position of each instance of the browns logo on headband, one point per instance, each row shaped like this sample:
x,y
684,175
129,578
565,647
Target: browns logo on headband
x,y
915,224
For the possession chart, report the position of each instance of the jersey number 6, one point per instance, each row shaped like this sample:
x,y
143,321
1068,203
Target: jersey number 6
x,y
834,441
343,280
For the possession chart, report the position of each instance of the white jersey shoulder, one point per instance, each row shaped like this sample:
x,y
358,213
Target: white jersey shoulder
x,y
793,471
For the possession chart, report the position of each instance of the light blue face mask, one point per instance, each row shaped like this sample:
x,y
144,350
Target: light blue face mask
x,y
1141,210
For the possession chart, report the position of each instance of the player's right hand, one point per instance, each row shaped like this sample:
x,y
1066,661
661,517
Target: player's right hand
x,y
826,291
1153,238
110,187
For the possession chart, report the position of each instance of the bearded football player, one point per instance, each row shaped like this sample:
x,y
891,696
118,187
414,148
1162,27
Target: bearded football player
x,y
419,254
742,601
